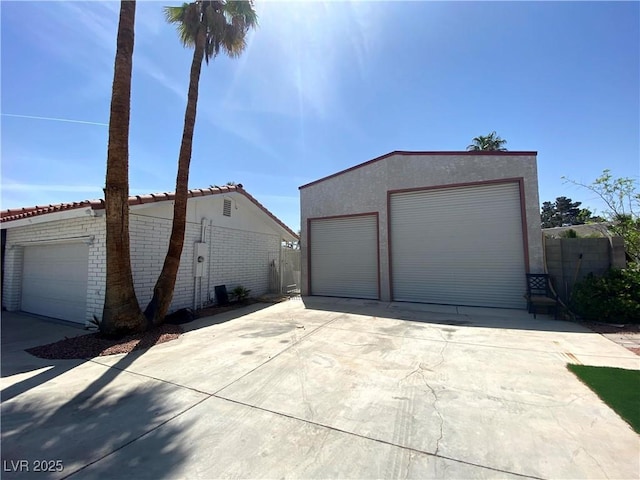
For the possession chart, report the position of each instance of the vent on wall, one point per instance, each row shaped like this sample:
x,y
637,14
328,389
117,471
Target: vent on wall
x,y
226,208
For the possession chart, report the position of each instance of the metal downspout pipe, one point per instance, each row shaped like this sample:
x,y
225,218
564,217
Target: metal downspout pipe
x,y
197,281
210,255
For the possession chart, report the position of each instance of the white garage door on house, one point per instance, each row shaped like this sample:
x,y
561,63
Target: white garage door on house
x,y
344,256
458,246
54,280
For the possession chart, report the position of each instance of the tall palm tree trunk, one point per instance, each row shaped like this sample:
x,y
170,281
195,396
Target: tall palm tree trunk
x,y
163,290
121,312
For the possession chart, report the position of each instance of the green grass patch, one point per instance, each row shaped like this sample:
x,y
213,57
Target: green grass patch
x,y
617,387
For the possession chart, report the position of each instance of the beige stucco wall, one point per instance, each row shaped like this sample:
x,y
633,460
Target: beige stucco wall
x,y
365,189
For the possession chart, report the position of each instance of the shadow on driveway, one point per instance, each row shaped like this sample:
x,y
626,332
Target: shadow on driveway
x,y
446,314
100,410
21,331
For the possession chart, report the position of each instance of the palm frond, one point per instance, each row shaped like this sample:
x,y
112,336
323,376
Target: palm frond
x,y
186,20
226,24
241,17
214,24
491,142
242,9
234,41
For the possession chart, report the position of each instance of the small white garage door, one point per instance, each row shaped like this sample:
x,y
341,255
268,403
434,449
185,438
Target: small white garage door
x,y
344,257
458,246
54,280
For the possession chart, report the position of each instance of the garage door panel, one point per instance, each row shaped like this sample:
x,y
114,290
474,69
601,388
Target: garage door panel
x,y
54,281
344,257
50,290
460,246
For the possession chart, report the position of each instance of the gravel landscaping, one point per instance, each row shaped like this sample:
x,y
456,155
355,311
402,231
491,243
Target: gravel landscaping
x,y
621,334
96,345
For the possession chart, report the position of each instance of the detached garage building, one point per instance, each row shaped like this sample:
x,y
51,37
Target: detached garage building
x,y
54,256
456,228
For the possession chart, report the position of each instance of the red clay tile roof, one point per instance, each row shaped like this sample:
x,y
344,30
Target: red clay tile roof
x,y
28,212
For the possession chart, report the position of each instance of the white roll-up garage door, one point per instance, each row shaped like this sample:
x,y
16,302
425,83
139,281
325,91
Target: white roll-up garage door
x,y
458,246
344,257
54,281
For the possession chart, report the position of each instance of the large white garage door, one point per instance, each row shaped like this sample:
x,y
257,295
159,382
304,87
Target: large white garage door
x,y
458,246
54,281
344,257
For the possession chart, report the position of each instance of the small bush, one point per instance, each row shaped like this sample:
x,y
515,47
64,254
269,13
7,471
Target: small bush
x,y
240,293
613,297
571,233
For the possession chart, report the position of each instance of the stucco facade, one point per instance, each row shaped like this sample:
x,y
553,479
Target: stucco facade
x,y
365,189
237,248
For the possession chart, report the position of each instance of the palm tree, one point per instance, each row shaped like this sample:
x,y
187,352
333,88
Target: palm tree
x,y
490,142
209,27
121,312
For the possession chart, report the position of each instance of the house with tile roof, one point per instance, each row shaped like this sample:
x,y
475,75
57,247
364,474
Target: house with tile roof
x,y
54,256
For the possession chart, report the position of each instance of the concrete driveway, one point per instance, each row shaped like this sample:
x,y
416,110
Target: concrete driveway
x,y
325,388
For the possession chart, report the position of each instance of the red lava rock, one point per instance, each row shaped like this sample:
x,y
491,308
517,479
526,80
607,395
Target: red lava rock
x,y
610,328
602,328
95,345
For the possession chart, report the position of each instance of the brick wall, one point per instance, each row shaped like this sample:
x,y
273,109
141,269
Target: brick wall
x,y
19,237
238,257
566,267
12,278
149,244
241,258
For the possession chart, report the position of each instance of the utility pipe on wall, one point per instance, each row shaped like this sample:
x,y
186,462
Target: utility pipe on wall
x,y
197,282
281,267
203,239
210,255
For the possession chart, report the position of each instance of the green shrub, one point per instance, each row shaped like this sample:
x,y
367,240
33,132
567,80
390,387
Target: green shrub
x,y
240,293
571,233
613,297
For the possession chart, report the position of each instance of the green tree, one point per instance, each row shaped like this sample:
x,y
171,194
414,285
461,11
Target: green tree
x,y
547,215
563,211
121,312
489,142
586,216
622,199
208,27
568,211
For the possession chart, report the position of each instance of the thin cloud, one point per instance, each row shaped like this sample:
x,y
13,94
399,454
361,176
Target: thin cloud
x,y
151,68
243,127
55,119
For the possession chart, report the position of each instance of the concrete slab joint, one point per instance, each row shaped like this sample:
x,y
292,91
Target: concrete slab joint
x,y
323,388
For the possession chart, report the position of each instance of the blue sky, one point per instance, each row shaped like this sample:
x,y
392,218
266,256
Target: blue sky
x,y
321,87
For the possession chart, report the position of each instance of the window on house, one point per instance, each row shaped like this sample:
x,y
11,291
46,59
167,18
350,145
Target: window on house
x,y
226,208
